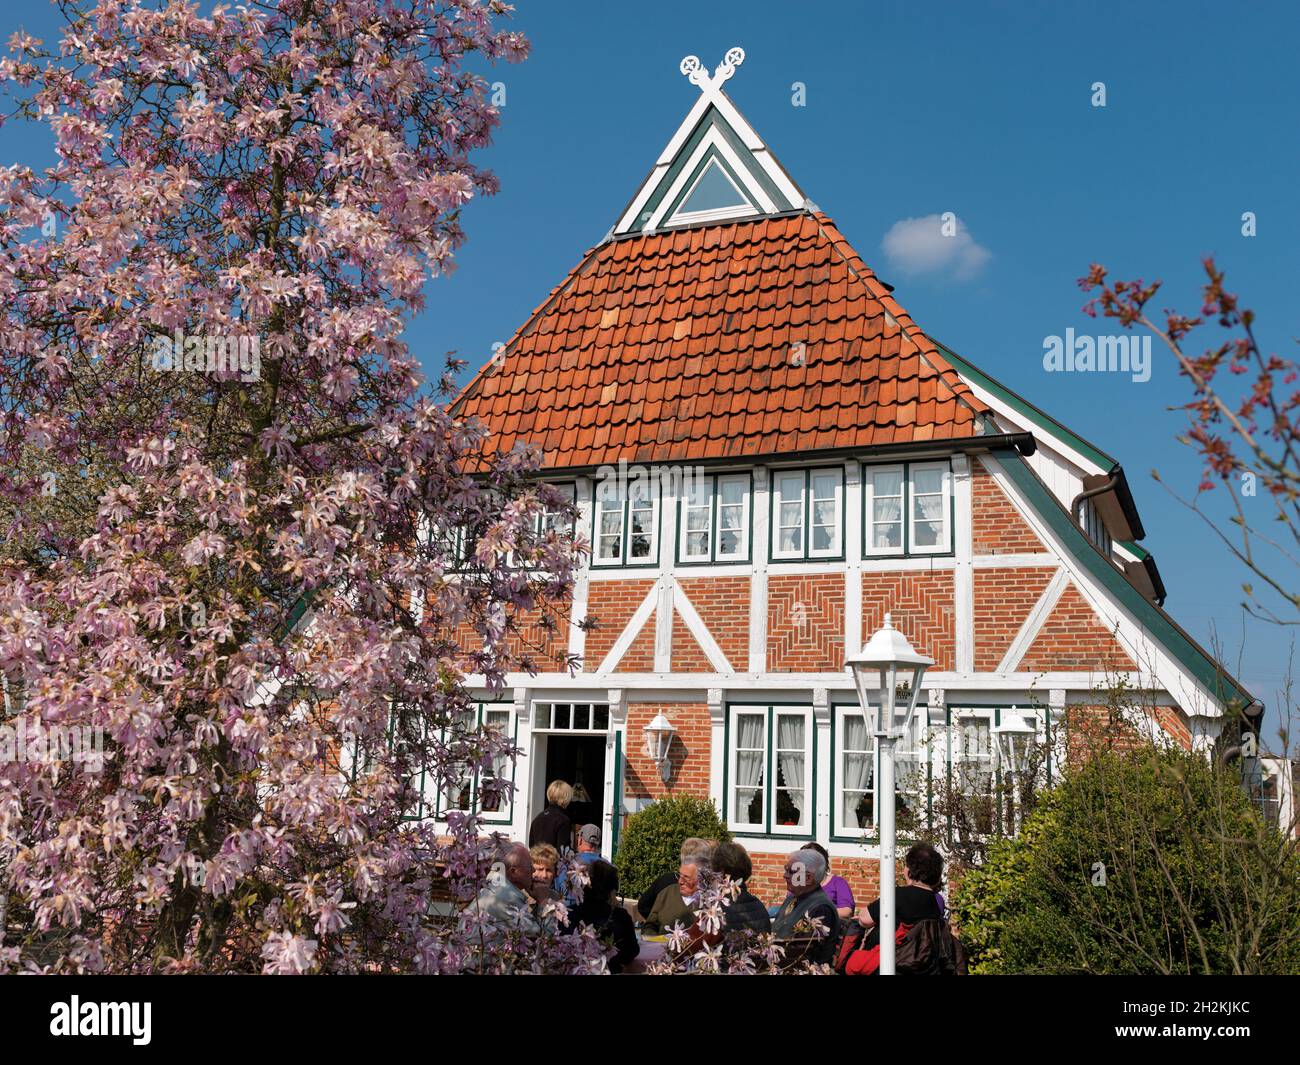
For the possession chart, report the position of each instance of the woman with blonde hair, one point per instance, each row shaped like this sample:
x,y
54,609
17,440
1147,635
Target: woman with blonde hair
x,y
553,825
546,863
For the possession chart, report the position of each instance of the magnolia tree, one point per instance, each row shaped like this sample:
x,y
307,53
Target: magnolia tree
x,y
248,557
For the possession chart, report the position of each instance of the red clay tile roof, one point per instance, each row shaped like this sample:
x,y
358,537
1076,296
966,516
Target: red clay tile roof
x,y
683,345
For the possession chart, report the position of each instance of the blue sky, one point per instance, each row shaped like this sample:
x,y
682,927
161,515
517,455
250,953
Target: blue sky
x,y
913,110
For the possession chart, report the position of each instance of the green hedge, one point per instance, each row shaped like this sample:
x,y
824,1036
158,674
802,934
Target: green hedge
x,y
1145,862
652,841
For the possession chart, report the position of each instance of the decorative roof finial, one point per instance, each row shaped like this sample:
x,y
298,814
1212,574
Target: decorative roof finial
x,y
698,75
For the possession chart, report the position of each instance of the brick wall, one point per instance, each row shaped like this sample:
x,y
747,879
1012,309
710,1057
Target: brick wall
x,y
1003,599
921,607
690,751
610,606
688,656
996,526
1075,639
805,623
723,606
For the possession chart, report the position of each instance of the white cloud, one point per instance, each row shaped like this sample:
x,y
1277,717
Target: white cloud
x,y
935,244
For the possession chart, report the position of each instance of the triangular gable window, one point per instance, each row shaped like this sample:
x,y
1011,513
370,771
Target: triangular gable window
x,y
713,194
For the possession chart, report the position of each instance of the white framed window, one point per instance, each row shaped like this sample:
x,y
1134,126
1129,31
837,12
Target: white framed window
x,y
929,493
714,524
770,770
855,774
907,509
1094,527
808,513
465,790
570,717
554,519
882,487
627,525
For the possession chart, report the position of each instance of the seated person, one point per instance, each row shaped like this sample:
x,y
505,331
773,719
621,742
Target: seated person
x,y
836,887
692,847
804,872
505,900
742,915
677,903
914,902
612,923
546,863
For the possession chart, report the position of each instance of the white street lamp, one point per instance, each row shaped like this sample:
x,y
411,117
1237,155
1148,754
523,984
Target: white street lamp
x,y
876,670
658,742
1013,736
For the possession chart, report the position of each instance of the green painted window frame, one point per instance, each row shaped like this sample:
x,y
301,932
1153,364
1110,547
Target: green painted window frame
x,y
771,710
907,550
440,811
837,833
621,562
714,529
1041,714
774,531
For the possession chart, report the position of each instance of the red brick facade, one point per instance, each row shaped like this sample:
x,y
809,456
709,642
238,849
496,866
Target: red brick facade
x,y
688,656
920,605
723,606
1075,639
805,623
690,751
996,526
610,606
1003,600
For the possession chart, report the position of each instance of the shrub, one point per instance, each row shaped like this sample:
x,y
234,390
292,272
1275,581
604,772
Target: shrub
x,y
652,842
1141,862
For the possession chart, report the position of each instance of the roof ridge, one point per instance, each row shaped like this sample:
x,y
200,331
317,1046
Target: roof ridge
x,y
876,288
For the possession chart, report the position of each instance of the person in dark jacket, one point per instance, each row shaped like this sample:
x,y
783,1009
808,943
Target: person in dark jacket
x,y
552,825
804,872
745,913
611,922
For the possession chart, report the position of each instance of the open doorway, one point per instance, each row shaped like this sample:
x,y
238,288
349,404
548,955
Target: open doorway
x,y
580,761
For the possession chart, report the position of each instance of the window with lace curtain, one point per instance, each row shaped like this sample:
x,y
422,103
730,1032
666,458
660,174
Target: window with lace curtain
x,y
907,509
770,770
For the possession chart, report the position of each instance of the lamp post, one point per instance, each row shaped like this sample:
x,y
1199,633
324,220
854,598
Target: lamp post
x,y
658,742
1012,737
876,670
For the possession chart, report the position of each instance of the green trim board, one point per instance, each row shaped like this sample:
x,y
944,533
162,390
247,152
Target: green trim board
x,y
1194,658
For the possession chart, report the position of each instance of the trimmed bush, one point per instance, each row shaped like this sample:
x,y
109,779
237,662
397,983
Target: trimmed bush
x,y
652,842
1143,862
